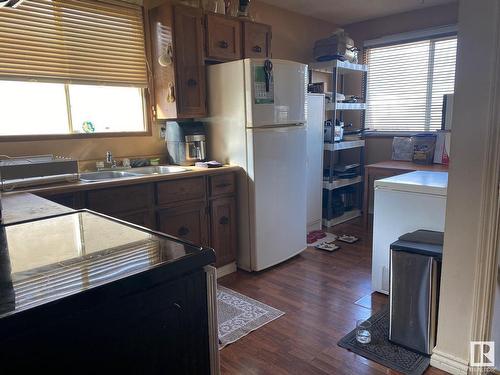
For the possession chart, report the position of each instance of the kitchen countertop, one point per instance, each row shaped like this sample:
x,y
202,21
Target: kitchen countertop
x,y
408,165
69,187
47,259
23,206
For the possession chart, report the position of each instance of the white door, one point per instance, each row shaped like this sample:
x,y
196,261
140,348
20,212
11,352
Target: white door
x,y
314,160
277,194
284,103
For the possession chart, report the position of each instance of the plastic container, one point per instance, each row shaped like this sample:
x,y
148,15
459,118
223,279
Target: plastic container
x,y
423,148
402,148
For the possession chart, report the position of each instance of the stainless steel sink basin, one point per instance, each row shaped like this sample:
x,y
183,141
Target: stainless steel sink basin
x,y
105,175
160,169
135,172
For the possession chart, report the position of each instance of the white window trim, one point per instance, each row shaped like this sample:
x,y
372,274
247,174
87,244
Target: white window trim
x,y
429,33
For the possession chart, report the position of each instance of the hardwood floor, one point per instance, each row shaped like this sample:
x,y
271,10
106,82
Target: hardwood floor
x,y
322,295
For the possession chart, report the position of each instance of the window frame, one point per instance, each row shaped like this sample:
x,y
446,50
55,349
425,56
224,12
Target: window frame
x,y
147,103
44,137
433,34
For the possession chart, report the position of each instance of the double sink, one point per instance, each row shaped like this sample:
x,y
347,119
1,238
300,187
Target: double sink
x,y
133,172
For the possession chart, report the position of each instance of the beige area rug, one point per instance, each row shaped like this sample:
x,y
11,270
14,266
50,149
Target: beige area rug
x,y
238,315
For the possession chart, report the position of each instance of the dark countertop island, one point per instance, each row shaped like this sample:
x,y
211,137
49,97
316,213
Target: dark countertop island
x,y
81,292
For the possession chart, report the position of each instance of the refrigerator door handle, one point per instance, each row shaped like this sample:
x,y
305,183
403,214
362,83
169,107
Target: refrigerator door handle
x,y
284,128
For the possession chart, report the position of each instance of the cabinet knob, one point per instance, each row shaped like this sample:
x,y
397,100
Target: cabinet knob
x,y
224,220
257,49
223,44
183,231
191,82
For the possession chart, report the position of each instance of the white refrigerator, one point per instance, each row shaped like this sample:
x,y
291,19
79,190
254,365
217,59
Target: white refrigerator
x,y
257,121
403,204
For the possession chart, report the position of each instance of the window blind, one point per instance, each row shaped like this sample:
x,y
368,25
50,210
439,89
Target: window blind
x,y
81,41
406,84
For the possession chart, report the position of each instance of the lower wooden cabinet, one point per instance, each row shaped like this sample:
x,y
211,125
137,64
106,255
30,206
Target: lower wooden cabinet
x,y
121,199
188,222
198,209
223,229
75,201
142,218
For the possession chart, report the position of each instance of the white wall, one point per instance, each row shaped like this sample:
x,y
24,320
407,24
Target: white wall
x,y
477,45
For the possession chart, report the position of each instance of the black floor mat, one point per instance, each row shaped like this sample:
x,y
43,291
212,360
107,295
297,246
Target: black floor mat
x,y
382,351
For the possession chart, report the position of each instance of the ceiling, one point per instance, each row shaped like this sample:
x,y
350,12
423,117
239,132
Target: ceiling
x,y
344,12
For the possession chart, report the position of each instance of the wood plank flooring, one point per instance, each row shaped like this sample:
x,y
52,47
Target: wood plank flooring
x,y
322,295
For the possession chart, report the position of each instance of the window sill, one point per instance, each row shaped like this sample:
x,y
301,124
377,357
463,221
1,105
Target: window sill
x,y
392,134
46,137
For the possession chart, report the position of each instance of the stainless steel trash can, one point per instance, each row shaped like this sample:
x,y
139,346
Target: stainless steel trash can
x,y
415,271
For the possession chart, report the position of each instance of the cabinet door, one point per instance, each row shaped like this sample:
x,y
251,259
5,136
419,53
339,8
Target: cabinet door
x,y
188,55
188,222
121,199
256,40
223,230
71,200
223,38
161,21
142,218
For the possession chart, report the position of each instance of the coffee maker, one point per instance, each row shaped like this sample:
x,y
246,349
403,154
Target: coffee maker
x,y
186,142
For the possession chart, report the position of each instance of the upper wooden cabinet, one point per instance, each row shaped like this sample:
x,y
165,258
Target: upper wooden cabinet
x,y
256,40
182,38
188,55
178,61
223,38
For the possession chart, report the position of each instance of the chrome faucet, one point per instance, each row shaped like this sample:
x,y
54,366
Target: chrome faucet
x,y
110,161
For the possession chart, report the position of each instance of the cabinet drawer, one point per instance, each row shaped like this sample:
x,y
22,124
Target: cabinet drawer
x,y
222,184
127,198
180,190
256,40
223,38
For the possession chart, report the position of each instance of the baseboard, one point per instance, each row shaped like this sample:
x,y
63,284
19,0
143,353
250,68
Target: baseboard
x,y
315,225
226,270
449,363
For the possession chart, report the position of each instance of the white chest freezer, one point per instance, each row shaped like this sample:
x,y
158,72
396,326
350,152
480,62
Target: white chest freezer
x,y
404,203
